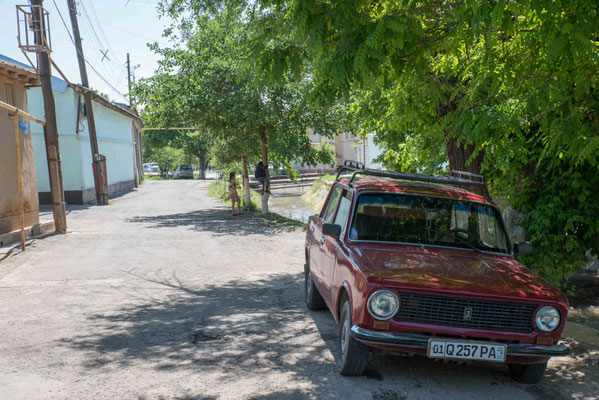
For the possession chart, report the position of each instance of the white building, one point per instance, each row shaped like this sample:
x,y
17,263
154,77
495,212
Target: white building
x,y
118,130
346,147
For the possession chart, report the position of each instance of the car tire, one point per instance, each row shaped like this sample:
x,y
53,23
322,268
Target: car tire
x,y
352,355
527,373
314,300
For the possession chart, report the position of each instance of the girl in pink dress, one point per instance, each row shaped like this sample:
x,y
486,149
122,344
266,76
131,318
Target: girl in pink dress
x,y
233,196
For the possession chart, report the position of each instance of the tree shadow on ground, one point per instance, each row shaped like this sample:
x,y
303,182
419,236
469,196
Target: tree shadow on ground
x,y
237,330
258,334
218,221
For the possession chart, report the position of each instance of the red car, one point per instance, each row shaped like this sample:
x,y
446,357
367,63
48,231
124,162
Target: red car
x,y
410,263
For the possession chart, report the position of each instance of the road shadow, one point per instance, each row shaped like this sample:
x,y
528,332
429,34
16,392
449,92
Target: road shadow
x,y
245,331
217,221
249,332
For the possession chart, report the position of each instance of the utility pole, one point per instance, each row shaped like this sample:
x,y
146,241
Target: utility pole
x,y
129,79
50,129
99,161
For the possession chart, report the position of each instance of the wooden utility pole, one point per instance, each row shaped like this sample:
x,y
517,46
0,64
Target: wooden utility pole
x,y
50,128
99,161
129,79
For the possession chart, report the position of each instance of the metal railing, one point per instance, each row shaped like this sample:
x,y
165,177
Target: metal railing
x,y
460,178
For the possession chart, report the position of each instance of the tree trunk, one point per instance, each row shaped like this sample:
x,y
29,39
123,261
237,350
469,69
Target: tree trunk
x,y
458,153
202,160
246,183
264,142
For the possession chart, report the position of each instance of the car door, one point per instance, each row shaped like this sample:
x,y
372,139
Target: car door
x,y
318,244
331,247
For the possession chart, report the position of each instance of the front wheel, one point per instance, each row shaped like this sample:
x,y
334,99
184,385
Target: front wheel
x,y
352,356
527,373
314,300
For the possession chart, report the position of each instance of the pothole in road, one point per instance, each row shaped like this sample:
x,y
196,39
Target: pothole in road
x,y
199,337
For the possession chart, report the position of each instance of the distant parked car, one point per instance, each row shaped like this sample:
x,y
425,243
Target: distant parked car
x,y
150,167
183,171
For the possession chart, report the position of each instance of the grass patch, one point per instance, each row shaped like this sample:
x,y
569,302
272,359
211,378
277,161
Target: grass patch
x,y
321,181
155,177
279,220
317,194
220,190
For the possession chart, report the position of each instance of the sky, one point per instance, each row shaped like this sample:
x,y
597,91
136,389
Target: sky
x,y
119,26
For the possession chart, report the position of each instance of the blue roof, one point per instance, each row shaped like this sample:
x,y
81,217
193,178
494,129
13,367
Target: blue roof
x,y
15,62
57,84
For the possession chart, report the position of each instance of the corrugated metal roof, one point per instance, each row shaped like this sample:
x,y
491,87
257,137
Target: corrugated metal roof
x,y
15,62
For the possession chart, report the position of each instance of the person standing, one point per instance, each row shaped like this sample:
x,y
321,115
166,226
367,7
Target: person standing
x,y
260,175
233,196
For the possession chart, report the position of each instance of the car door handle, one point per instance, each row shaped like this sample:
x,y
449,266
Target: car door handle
x,y
323,240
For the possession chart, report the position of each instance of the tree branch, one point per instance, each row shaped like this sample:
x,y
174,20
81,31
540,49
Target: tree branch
x,y
539,115
430,6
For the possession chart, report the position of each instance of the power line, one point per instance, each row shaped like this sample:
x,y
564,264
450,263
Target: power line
x,y
130,33
89,27
88,63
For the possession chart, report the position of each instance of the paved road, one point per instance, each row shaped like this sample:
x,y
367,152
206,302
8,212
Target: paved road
x,y
164,295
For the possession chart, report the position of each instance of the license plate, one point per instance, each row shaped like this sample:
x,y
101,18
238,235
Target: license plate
x,y
466,350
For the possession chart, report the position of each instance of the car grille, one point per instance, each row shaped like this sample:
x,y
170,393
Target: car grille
x,y
452,311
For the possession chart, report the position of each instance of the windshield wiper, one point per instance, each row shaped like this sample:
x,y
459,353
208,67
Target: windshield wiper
x,y
454,236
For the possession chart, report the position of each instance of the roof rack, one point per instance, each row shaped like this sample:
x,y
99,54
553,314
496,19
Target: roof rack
x,y
461,178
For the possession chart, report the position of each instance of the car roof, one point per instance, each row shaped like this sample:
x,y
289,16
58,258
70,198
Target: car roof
x,y
367,183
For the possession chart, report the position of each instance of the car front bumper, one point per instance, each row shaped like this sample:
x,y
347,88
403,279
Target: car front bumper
x,y
421,342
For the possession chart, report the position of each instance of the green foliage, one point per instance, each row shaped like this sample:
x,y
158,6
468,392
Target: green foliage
x,y
168,158
207,80
515,82
560,208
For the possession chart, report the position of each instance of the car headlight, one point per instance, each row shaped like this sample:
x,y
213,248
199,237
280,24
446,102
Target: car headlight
x,y
547,318
383,304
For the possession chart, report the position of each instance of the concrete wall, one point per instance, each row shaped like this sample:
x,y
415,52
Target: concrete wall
x,y
115,141
9,194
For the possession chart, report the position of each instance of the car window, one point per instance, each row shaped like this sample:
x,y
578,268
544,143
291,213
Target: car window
x,y
331,205
343,209
446,222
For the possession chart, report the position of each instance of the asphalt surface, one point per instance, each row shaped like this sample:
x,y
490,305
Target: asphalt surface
x,y
163,294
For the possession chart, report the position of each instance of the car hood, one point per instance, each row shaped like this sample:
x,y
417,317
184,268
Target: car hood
x,y
444,270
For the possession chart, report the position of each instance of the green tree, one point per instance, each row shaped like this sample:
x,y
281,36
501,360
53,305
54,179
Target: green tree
x,y
205,80
504,88
167,158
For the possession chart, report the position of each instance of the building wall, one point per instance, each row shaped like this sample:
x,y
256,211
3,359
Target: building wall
x,y
115,141
9,194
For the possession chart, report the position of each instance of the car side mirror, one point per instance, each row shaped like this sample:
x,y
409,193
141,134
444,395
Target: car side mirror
x,y
522,248
331,230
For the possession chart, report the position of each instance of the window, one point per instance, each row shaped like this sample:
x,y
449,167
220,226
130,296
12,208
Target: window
x,y
428,220
331,205
343,210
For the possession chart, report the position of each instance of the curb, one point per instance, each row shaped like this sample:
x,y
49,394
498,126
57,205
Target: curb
x,y
31,231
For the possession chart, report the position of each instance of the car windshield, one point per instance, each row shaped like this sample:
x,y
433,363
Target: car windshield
x,y
185,166
401,218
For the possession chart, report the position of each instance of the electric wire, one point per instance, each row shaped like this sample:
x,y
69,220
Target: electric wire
x,y
108,67
88,63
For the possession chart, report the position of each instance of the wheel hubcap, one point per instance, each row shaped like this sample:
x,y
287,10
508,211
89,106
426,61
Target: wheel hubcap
x,y
309,283
344,336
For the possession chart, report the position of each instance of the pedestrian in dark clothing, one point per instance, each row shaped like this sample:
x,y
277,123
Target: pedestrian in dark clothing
x,y
260,175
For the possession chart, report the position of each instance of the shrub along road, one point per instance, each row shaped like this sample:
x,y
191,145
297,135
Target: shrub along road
x,y
164,295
